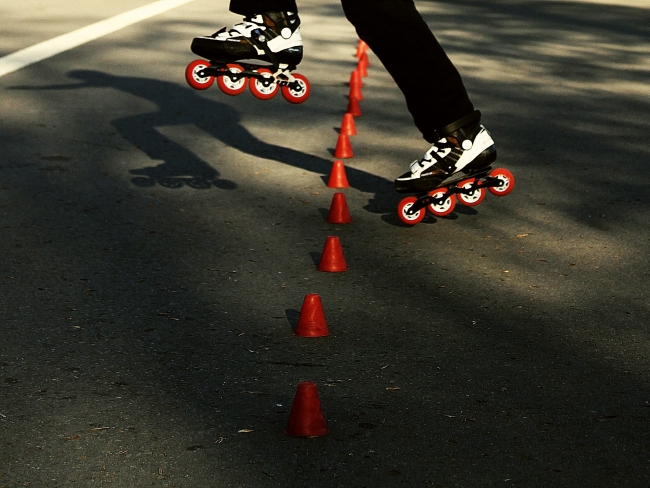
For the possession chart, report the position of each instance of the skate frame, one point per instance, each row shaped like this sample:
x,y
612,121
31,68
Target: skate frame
x,y
424,200
282,75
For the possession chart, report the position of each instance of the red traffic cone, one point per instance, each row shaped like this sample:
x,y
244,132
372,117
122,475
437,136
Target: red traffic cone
x,y
348,127
364,59
355,92
362,47
343,147
355,78
353,107
339,211
363,64
306,418
338,178
332,259
312,318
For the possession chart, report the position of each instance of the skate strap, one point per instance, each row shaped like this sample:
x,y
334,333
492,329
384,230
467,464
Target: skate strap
x,y
447,163
459,124
264,47
244,28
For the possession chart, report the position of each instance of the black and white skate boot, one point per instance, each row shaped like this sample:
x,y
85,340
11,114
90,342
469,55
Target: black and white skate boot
x,y
272,37
264,49
466,148
457,168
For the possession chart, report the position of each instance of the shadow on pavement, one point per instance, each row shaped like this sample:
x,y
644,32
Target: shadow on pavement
x,y
179,105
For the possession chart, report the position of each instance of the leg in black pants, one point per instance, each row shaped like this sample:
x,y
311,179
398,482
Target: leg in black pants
x,y
252,7
434,91
401,39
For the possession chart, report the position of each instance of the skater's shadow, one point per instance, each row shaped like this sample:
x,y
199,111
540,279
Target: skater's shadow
x,y
462,209
393,219
177,105
385,202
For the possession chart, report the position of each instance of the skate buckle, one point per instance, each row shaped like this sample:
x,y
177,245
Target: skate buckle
x,y
259,35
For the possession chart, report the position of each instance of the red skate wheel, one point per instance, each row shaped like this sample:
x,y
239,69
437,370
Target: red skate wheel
x,y
192,77
232,85
473,198
402,208
507,182
262,91
299,93
444,208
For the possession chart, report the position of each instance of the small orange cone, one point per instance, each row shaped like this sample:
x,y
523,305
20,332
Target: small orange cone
x,y
312,318
362,47
348,127
343,147
355,92
355,79
338,178
364,59
339,210
353,107
363,64
306,418
332,259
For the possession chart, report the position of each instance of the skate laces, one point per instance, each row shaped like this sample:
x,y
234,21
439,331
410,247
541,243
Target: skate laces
x,y
242,29
436,153
257,22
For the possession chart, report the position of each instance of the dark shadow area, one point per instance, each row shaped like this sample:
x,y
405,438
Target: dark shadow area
x,y
462,209
293,316
393,219
315,257
179,105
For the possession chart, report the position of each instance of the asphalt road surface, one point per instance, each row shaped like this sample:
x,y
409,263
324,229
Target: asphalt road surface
x,y
158,242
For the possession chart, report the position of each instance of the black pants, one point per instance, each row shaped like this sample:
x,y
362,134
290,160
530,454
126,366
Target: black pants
x,y
401,39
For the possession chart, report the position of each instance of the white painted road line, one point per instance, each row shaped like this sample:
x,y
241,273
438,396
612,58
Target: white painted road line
x,y
65,42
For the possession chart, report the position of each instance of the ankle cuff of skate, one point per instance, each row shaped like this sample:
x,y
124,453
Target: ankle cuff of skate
x,y
459,124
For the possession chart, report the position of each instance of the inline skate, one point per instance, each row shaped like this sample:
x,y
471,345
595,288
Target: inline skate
x,y
264,48
457,168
